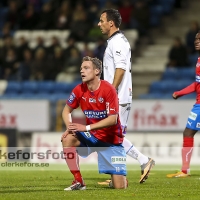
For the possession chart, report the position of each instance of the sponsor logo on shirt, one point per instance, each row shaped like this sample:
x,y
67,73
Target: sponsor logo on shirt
x,y
190,123
192,116
118,160
95,114
198,125
101,99
91,100
71,98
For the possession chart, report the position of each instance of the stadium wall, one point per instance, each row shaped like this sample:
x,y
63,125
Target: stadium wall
x,y
164,147
145,115
25,115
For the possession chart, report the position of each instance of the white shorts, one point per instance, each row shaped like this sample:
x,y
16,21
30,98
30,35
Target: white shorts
x,y
124,110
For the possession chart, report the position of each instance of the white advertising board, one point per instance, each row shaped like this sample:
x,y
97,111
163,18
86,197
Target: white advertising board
x,y
165,148
25,115
159,115
49,145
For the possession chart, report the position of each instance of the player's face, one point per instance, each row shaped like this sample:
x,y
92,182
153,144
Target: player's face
x,y
197,42
87,71
104,25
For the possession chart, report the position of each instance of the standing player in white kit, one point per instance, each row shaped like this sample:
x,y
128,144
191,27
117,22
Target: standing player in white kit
x,y
117,71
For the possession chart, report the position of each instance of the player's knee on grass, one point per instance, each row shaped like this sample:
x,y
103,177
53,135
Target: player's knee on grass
x,y
119,181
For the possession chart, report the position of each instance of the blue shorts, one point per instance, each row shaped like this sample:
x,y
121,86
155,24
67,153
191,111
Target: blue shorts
x,y
193,121
111,158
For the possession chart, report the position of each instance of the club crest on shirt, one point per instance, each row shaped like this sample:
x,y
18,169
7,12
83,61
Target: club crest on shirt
x,y
101,100
71,98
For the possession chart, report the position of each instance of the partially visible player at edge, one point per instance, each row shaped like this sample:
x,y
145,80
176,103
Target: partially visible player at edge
x,y
117,71
103,133
192,125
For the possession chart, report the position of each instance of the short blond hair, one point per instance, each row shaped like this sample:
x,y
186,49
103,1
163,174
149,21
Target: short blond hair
x,y
95,61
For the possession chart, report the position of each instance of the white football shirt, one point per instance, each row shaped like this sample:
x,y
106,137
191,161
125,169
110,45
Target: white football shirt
x,y
118,55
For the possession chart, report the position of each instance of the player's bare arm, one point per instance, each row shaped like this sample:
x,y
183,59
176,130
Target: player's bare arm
x,y
187,90
107,122
66,115
119,74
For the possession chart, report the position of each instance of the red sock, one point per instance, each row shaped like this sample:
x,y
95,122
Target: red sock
x,y
72,160
187,149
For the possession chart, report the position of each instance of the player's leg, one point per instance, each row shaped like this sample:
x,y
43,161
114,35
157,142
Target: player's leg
x,y
187,149
130,149
145,162
188,142
133,152
188,138
71,157
118,181
112,160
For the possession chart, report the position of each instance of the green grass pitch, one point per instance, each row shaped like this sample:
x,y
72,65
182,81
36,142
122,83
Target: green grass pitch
x,y
40,183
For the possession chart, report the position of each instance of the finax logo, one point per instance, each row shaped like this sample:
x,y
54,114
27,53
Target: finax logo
x,y
155,118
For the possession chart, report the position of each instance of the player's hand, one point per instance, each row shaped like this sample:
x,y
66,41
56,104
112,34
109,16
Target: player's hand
x,y
64,135
175,96
76,127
